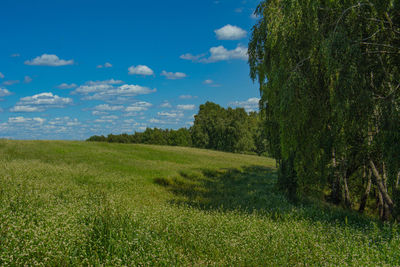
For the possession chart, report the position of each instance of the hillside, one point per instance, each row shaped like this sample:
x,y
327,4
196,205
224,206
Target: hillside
x,y
74,203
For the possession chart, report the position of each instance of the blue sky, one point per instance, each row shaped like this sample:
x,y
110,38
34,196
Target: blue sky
x,y
71,69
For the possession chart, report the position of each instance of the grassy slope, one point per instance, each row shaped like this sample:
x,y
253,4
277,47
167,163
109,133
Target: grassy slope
x,y
64,203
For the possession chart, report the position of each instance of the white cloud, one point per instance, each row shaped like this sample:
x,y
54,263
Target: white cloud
x,y
108,119
106,91
220,53
170,114
140,70
92,88
40,102
191,57
22,108
250,104
63,122
49,60
157,121
166,104
138,106
27,79
1,75
130,121
111,117
4,92
15,55
25,120
106,65
97,113
230,32
40,128
187,96
186,107
11,82
110,81
66,86
173,75
107,107
211,83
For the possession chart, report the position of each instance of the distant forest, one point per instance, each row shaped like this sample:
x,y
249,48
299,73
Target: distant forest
x,y
231,130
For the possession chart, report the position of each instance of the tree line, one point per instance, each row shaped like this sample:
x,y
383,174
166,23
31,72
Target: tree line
x,y
214,127
330,94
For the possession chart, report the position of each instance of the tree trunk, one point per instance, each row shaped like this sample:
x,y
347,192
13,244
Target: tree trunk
x,y
380,205
347,201
382,189
364,197
336,192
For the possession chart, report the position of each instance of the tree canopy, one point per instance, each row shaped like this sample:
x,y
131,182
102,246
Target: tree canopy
x,y
231,130
329,81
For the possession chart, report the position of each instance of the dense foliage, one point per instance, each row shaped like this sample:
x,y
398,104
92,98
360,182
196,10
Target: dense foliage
x,y
232,130
329,80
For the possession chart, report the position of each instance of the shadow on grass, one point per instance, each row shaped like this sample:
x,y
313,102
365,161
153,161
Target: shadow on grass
x,y
252,189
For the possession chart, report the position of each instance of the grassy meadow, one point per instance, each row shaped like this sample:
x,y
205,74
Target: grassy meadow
x,y
82,203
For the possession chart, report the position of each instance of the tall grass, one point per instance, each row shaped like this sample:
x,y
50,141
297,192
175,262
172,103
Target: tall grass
x,y
79,203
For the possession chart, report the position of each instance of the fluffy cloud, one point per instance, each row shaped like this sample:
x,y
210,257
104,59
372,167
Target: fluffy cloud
x,y
140,70
4,92
138,106
229,32
97,113
173,75
186,107
220,53
187,96
191,57
25,120
64,121
11,82
106,65
211,83
22,108
40,128
170,114
162,121
107,91
49,60
40,102
166,104
250,104
66,86
1,75
107,119
107,107
110,81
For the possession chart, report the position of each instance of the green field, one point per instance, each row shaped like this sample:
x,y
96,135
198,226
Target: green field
x,y
81,203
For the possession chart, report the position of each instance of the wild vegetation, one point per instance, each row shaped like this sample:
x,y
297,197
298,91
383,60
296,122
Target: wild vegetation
x,y
85,203
217,128
329,79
